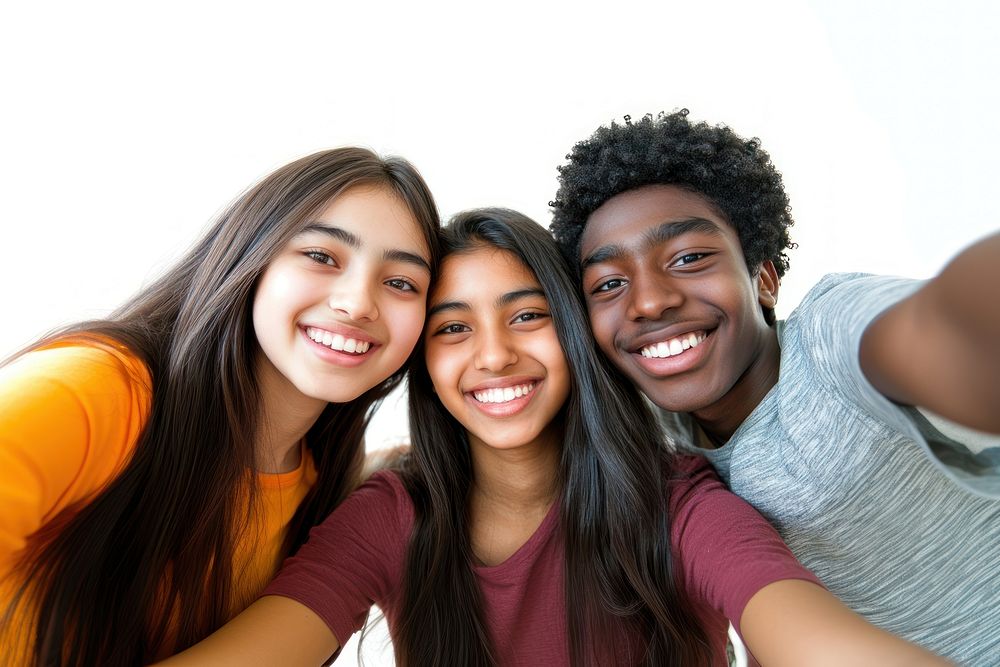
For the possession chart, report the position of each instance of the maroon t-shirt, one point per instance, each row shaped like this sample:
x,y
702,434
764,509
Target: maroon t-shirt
x,y
725,551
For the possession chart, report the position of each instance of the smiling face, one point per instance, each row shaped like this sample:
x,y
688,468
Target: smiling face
x,y
341,306
492,351
673,305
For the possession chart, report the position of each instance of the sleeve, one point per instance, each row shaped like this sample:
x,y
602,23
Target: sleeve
x,y
831,321
829,325
353,559
726,551
69,419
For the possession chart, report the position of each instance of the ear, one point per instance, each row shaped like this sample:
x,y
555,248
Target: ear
x,y
767,284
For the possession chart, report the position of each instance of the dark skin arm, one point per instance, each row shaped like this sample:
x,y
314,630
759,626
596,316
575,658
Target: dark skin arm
x,y
940,347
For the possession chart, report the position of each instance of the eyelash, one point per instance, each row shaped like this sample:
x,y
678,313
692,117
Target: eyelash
x,y
407,285
320,257
604,287
691,258
448,329
695,255
324,258
456,328
531,316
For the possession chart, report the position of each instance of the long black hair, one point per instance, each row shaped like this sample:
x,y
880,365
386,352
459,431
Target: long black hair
x,y
614,512
145,568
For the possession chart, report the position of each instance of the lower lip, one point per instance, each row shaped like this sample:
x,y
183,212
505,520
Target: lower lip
x,y
681,363
337,357
506,409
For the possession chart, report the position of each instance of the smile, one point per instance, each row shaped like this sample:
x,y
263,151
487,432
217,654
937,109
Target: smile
x,y
503,394
673,346
337,342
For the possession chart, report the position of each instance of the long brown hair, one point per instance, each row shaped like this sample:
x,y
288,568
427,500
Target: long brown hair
x,y
96,588
614,475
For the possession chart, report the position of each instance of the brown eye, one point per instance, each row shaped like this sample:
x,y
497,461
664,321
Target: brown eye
x,y
401,285
529,317
453,329
320,257
689,258
609,285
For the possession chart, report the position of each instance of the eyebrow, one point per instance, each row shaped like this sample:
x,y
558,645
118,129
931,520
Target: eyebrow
x,y
652,238
504,299
354,241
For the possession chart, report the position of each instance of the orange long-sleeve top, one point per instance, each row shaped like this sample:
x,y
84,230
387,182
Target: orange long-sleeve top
x,y
70,417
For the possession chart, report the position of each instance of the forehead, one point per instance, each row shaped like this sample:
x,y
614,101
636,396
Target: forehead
x,y
377,216
624,219
479,275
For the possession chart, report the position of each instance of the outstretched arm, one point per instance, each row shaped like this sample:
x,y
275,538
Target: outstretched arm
x,y
794,622
940,347
274,630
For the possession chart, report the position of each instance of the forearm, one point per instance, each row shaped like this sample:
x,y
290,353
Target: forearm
x,y
940,348
799,624
272,631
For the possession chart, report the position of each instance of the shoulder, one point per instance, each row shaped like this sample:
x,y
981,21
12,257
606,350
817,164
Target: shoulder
x,y
693,476
697,500
821,340
76,365
387,488
378,511
707,515
725,550
850,298
70,415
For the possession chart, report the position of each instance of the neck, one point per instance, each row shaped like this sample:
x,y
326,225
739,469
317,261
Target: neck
x,y
721,419
517,479
286,416
511,494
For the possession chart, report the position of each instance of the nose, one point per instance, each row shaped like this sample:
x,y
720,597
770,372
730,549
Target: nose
x,y
495,351
651,296
353,296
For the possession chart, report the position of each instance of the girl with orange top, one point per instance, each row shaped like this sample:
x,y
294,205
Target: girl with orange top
x,y
157,466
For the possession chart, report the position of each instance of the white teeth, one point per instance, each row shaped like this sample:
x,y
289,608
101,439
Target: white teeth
x,y
673,346
337,341
503,394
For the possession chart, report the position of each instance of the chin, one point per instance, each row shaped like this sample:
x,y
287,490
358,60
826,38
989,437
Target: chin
x,y
674,400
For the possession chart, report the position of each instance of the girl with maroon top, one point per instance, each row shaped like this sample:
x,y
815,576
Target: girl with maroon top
x,y
538,520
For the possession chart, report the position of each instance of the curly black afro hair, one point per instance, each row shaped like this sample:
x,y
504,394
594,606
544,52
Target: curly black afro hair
x,y
733,173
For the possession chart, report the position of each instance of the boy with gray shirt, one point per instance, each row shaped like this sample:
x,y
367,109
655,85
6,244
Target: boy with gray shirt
x,y
679,232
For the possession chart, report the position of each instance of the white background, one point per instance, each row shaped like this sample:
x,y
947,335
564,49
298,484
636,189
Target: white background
x,y
127,126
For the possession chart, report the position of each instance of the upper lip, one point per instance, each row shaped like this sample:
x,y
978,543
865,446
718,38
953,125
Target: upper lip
x,y
666,333
342,329
503,382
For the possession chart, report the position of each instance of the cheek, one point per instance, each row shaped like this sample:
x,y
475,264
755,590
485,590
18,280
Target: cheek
x,y
406,324
283,290
602,324
266,310
563,376
445,367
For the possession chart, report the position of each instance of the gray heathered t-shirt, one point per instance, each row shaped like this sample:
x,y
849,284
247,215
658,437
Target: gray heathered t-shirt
x,y
899,521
